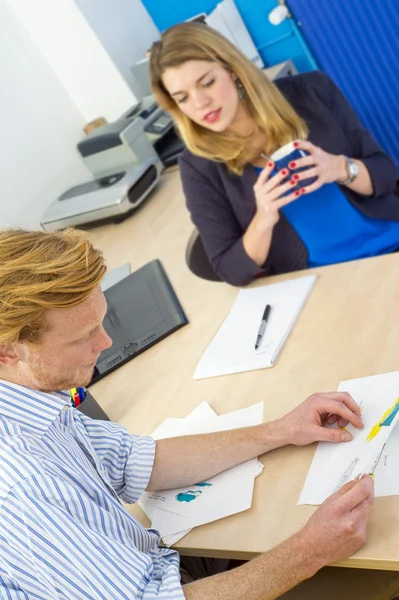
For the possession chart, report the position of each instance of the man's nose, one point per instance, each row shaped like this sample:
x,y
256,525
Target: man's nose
x,y
105,340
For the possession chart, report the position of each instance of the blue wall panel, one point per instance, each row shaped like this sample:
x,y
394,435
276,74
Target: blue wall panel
x,y
274,43
166,13
357,44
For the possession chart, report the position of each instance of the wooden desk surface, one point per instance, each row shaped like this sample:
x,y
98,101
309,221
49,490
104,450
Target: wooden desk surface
x,y
349,328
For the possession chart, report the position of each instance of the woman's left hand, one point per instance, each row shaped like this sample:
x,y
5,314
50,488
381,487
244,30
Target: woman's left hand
x,y
326,167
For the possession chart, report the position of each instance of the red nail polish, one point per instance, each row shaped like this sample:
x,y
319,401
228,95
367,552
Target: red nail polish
x,y
284,172
296,144
303,190
270,164
296,177
293,182
297,193
292,165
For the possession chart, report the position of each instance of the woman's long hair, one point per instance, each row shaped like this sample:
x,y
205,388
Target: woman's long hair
x,y
270,111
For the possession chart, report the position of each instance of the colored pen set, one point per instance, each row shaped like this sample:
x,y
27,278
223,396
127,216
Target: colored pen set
x,y
78,395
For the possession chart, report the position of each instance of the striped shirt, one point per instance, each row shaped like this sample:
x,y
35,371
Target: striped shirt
x,y
64,532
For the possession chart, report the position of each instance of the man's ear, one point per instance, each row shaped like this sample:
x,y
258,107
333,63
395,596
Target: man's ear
x,y
10,354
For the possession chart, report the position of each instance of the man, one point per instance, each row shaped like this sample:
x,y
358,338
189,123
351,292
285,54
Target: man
x,y
64,532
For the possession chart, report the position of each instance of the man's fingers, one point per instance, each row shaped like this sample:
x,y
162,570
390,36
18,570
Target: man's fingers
x,y
345,488
343,397
335,407
331,419
364,507
334,435
352,496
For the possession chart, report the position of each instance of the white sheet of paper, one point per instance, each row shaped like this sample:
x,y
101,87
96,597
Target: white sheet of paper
x,y
232,349
168,521
386,477
172,427
204,420
170,540
174,518
236,497
335,464
244,417
170,524
204,499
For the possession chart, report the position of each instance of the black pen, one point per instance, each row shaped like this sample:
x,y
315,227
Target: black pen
x,y
262,327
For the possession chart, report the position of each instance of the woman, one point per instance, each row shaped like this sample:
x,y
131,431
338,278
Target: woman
x,y
232,119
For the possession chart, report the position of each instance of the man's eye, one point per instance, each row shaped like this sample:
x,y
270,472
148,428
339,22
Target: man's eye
x,y
209,83
85,338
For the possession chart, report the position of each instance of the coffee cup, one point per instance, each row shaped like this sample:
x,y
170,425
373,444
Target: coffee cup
x,y
285,156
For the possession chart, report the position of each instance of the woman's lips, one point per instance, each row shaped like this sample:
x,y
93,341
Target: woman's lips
x,y
213,116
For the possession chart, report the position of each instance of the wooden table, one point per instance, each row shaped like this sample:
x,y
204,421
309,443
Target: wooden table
x,y
349,328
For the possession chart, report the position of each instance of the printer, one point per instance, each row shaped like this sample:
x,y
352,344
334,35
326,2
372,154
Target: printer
x,y
158,128
125,169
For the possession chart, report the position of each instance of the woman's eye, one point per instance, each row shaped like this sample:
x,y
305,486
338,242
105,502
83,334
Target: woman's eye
x,y
181,100
209,83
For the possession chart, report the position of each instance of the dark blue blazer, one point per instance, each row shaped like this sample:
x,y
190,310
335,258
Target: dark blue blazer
x,y
222,204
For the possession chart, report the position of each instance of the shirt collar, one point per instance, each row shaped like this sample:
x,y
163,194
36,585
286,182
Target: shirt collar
x,y
31,410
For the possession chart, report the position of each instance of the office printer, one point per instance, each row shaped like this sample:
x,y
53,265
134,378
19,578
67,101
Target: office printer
x,y
159,129
144,130
125,167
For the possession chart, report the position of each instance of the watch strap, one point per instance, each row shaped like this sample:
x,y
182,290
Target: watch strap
x,y
353,171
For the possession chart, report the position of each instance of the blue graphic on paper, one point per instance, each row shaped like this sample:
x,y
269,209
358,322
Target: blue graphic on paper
x,y
390,417
191,495
188,496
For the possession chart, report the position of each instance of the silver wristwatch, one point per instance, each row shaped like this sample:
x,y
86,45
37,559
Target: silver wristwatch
x,y
353,172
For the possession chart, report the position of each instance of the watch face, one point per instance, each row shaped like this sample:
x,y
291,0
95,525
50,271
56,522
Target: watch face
x,y
353,169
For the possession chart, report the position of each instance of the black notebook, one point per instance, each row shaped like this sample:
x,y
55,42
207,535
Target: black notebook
x,y
142,309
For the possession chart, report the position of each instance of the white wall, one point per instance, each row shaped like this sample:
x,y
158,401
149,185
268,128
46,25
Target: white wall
x,y
39,129
124,28
62,34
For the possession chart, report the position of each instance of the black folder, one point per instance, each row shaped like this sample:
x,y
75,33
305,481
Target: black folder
x,y
142,310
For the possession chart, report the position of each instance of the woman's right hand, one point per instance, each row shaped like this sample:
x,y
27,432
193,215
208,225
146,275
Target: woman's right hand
x,y
268,194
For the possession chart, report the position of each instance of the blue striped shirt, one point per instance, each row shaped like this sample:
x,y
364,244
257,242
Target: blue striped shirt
x,y
64,532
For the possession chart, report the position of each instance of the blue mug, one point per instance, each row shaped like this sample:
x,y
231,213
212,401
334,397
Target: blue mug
x,y
283,157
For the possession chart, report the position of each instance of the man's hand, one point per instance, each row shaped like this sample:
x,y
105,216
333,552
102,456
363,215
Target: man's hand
x,y
338,528
306,423
335,531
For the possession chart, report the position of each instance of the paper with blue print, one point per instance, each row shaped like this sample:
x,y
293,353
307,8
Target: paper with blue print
x,y
175,512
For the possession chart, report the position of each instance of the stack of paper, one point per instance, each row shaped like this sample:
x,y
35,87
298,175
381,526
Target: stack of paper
x,y
175,512
232,350
373,450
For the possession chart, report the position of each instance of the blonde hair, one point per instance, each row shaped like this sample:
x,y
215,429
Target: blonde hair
x,y
42,270
270,111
